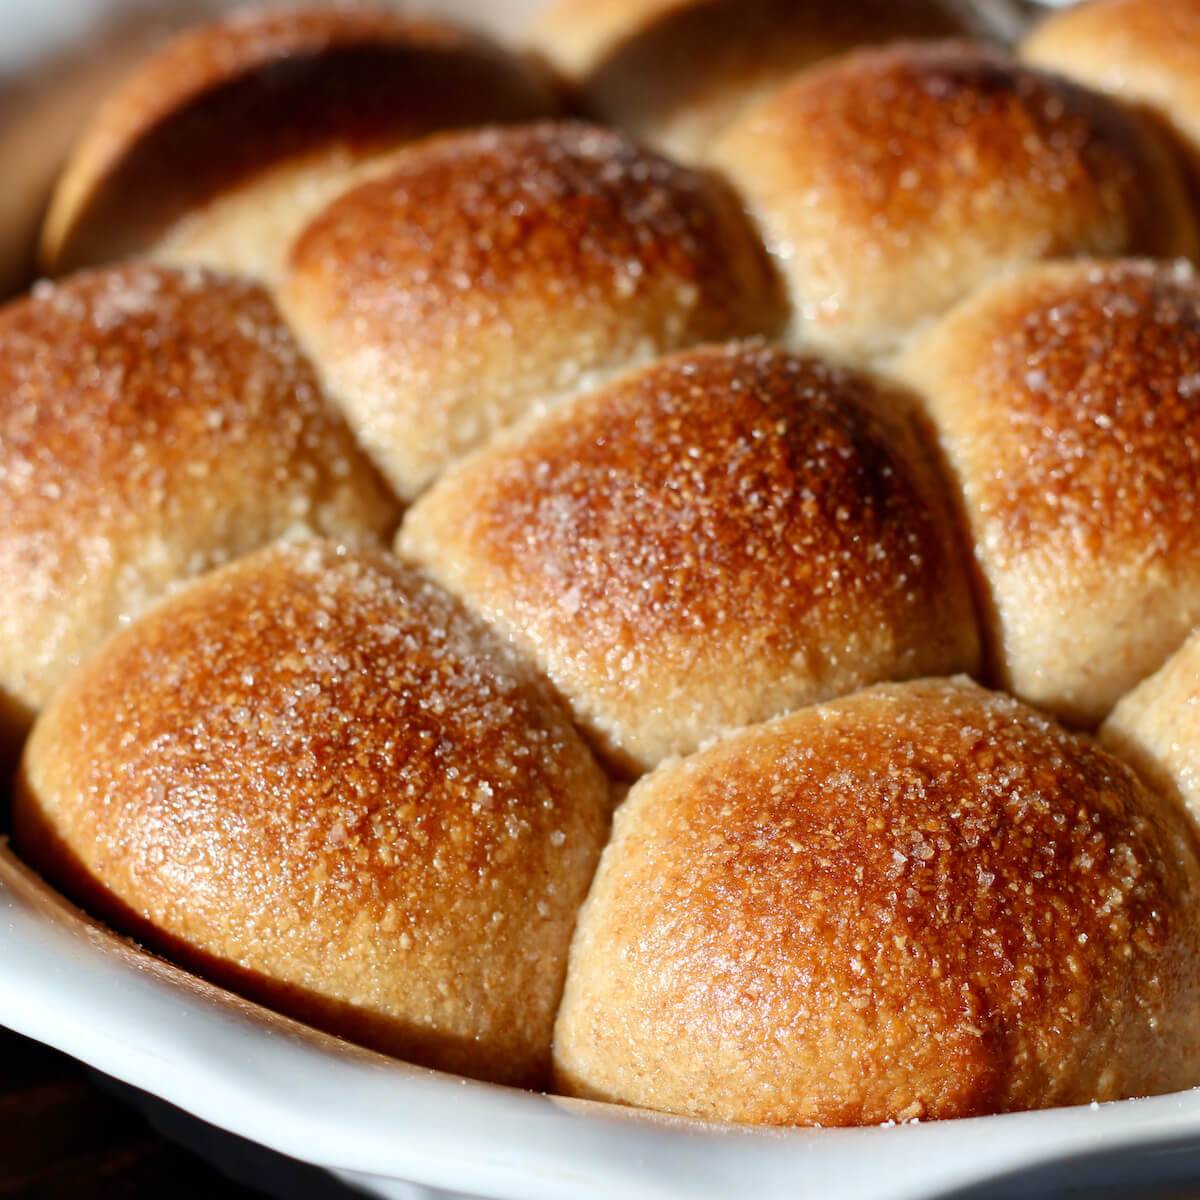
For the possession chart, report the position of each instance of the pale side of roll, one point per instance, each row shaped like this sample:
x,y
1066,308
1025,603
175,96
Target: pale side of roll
x,y
1157,727
726,534
218,148
495,270
922,901
314,778
891,183
154,423
1067,404
675,73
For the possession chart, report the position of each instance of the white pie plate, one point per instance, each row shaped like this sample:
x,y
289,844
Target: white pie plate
x,y
394,1130
386,1126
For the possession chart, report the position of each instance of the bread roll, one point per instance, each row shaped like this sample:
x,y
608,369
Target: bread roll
x,y
711,540
314,778
1157,727
221,146
674,73
891,183
1146,52
153,424
923,901
1067,404
496,269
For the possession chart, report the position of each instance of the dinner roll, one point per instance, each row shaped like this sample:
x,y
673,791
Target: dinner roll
x,y
221,146
314,778
153,423
1067,404
718,537
674,73
1147,52
495,269
1157,727
922,901
890,183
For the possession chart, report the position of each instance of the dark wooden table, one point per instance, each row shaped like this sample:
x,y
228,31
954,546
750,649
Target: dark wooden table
x,y
64,1138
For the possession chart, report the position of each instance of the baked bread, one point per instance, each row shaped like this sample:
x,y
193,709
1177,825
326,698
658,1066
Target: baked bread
x,y
921,901
709,541
675,73
154,423
219,148
493,270
892,182
358,787
1145,52
1066,401
1157,727
313,777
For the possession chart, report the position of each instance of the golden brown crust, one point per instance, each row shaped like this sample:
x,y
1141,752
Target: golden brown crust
x,y
922,901
223,105
675,73
1067,403
721,536
495,269
1146,52
892,182
1157,727
153,424
317,778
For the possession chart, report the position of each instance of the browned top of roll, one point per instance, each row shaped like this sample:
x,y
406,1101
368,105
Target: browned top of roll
x,y
152,423
1068,403
106,378
317,777
921,901
643,504
222,103
892,181
677,71
535,210
705,542
1086,385
117,384
493,269
904,131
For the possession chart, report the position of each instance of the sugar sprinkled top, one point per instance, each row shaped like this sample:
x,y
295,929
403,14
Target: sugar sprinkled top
x,y
316,765
496,268
319,695
877,905
153,423
895,180
1063,402
742,513
1093,412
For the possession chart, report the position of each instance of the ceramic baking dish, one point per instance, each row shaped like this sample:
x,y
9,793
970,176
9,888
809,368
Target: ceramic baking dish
x,y
394,1130
386,1126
